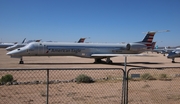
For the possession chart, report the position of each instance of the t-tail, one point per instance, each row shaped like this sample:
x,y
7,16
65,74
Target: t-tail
x,y
148,40
81,40
24,40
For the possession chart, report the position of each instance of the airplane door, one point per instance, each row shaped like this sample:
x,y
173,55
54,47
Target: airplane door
x,y
40,49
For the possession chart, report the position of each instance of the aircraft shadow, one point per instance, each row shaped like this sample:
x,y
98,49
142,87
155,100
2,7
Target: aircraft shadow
x,y
56,63
176,62
136,64
103,63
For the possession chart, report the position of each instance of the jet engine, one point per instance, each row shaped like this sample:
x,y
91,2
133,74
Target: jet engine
x,y
136,47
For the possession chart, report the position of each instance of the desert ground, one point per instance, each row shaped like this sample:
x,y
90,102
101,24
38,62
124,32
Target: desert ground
x,y
157,60
101,92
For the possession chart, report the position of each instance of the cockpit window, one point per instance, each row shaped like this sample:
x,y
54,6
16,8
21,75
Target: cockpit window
x,y
30,45
19,49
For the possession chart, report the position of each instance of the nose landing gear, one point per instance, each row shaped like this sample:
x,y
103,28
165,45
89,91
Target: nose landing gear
x,y
21,61
173,60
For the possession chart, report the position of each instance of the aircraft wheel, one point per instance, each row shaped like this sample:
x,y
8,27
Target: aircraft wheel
x,y
21,62
97,61
173,61
110,62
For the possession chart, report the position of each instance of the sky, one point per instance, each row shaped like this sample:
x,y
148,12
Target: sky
x,y
111,21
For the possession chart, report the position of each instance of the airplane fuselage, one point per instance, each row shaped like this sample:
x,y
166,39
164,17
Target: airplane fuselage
x,y
5,45
75,49
97,51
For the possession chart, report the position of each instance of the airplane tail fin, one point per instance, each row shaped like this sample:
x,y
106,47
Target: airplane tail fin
x,y
157,47
15,42
153,45
37,40
165,49
81,40
149,37
23,40
148,40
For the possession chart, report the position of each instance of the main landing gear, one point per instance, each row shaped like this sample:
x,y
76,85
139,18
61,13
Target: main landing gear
x,y
96,61
173,60
108,61
21,61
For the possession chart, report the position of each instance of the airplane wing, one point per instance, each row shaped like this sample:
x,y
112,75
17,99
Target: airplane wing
x,y
115,55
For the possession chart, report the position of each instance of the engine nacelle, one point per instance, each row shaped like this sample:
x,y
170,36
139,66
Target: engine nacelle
x,y
136,47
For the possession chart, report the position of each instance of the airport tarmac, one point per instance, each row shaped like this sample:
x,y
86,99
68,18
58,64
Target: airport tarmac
x,y
158,60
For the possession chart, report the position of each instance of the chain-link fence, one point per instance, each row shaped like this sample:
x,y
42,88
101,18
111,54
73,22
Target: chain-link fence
x,y
59,86
154,85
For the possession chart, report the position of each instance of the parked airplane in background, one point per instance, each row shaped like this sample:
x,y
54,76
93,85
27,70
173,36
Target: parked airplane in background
x,y
81,40
174,54
7,44
97,51
163,51
15,46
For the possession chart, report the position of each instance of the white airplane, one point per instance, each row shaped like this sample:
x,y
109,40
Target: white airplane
x,y
174,54
15,46
97,51
7,44
163,51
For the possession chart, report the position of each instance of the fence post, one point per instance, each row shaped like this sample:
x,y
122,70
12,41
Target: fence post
x,y
47,87
124,85
125,80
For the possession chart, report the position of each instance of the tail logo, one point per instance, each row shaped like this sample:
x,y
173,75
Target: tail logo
x,y
149,37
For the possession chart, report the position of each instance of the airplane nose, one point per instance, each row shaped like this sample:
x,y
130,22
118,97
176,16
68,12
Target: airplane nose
x,y
9,53
168,56
15,53
171,55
